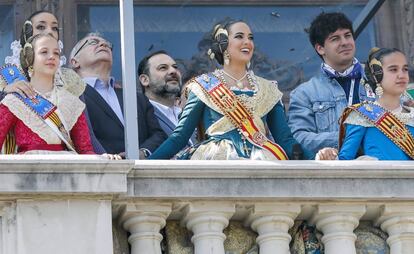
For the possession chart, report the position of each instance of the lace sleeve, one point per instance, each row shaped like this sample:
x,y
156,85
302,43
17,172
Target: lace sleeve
x,y
7,121
80,136
15,57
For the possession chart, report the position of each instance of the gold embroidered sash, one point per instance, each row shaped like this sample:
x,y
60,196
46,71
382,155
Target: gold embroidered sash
x,y
384,121
237,113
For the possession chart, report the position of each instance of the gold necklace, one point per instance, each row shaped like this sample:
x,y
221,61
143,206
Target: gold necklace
x,y
239,83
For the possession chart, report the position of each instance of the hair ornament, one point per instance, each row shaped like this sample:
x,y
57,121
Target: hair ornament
x,y
211,54
219,31
373,62
373,50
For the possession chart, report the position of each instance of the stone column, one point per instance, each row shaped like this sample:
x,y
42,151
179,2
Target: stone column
x,y
62,226
398,222
337,222
272,222
207,221
144,221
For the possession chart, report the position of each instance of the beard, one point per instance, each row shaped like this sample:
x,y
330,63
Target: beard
x,y
167,91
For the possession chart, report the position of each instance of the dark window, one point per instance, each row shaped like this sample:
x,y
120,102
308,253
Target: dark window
x,y
6,30
283,51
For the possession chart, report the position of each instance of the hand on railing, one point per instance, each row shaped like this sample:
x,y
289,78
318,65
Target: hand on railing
x,y
327,153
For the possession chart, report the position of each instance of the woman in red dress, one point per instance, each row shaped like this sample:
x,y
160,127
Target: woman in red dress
x,y
51,122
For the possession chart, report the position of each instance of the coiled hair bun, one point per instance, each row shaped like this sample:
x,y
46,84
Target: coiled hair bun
x,y
27,53
373,69
27,32
220,39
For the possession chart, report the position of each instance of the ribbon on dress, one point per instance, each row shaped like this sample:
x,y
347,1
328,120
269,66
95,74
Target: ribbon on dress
x,y
237,113
43,108
384,121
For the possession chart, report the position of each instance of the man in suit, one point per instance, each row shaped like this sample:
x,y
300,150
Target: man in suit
x,y
91,58
160,79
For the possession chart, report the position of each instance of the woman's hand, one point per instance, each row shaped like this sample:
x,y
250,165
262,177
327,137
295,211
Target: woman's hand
x,y
327,153
21,87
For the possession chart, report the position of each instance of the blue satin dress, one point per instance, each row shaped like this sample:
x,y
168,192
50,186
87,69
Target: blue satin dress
x,y
361,134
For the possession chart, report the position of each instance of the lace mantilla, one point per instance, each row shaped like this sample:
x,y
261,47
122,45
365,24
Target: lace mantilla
x,y
15,58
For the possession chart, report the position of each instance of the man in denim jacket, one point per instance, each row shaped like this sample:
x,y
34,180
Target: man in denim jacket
x,y
316,105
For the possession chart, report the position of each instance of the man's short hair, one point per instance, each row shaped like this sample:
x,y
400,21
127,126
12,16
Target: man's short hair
x,y
325,24
143,67
80,43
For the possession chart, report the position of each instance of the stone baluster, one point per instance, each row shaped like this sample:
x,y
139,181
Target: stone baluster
x,y
207,220
337,222
398,221
272,222
144,221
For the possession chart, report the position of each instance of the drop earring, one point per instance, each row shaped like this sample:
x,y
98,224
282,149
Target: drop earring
x,y
379,90
30,71
226,57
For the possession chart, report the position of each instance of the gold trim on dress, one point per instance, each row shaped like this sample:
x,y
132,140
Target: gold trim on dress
x,y
267,96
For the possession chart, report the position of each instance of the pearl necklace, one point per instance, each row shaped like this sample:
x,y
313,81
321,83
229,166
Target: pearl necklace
x,y
239,84
220,75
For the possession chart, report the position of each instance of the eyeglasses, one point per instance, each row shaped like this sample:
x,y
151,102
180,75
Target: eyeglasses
x,y
93,42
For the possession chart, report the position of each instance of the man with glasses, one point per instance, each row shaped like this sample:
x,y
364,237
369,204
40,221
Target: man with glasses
x,y
92,59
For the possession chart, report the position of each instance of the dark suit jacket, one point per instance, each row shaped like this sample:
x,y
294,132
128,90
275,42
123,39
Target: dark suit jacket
x,y
110,131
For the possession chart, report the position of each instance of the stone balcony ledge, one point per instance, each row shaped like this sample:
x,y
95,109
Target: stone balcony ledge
x,y
317,180
74,198
62,174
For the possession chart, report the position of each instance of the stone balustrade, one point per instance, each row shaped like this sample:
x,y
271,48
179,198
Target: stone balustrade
x,y
75,204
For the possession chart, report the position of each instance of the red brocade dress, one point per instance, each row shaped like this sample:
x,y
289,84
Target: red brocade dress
x,y
33,136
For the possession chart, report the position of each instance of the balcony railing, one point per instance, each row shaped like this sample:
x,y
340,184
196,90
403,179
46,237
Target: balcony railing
x,y
71,204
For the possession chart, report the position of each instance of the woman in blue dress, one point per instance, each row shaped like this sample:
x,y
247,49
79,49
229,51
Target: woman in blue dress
x,y
383,129
232,107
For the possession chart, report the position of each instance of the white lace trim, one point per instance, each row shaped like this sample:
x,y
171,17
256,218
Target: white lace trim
x,y
70,107
15,57
405,117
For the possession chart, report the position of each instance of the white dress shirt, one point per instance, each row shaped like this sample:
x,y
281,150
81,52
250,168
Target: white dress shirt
x,y
171,113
